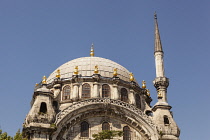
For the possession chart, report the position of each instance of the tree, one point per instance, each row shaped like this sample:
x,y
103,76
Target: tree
x,y
4,136
107,134
18,136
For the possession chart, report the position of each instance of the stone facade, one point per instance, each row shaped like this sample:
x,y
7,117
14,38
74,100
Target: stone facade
x,y
87,95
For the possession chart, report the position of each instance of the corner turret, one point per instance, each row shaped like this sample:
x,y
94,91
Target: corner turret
x,y
39,121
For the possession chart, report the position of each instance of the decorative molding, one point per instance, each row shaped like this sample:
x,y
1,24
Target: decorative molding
x,y
161,82
106,101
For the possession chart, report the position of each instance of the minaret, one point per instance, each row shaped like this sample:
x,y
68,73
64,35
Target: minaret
x,y
162,116
161,82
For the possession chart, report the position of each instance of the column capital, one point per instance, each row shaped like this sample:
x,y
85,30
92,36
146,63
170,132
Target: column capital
x,y
75,84
115,85
95,83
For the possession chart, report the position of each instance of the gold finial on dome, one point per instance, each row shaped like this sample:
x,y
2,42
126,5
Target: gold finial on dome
x,y
115,72
58,74
131,77
76,71
44,80
148,92
143,84
96,69
92,50
36,84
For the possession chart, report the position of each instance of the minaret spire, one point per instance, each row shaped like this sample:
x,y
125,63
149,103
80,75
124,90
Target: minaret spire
x,y
158,52
158,45
161,82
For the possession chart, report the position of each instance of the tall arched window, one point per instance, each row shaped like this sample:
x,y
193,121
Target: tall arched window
x,y
126,133
124,95
105,91
86,91
166,120
84,129
105,126
66,92
43,108
138,101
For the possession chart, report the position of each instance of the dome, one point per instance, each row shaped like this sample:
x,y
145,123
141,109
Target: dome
x,y
86,66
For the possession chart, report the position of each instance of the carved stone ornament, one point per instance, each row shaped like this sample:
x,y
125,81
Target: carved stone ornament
x,y
161,82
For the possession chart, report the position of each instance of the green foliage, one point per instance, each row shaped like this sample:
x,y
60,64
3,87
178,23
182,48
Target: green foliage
x,y
107,134
4,136
18,136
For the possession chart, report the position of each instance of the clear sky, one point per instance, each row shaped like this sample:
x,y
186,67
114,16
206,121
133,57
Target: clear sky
x,y
38,36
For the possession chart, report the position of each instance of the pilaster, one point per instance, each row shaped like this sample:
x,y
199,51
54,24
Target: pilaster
x,y
131,97
95,90
115,94
75,95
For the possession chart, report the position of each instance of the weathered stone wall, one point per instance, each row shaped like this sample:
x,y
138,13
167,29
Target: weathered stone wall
x,y
95,124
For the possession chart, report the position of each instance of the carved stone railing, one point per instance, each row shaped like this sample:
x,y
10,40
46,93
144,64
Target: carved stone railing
x,y
169,130
119,103
39,118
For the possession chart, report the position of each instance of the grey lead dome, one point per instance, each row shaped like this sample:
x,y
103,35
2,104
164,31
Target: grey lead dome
x,y
86,67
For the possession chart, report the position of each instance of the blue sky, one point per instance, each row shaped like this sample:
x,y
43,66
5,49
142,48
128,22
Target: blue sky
x,y
38,36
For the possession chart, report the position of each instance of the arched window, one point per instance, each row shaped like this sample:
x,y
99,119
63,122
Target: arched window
x,y
105,91
84,129
126,133
138,101
105,126
86,91
66,92
124,95
43,108
166,120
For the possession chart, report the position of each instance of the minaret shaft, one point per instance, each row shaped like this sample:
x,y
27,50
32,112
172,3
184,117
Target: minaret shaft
x,y
159,64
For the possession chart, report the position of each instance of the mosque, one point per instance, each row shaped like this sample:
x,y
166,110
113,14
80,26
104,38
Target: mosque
x,y
90,94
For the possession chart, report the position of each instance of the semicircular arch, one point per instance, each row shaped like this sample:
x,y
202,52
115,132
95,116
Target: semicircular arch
x,y
117,109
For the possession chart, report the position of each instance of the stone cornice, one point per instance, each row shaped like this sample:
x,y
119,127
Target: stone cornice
x,y
95,78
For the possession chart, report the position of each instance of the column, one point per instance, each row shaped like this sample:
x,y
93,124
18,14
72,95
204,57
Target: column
x,y
75,94
95,93
115,93
131,97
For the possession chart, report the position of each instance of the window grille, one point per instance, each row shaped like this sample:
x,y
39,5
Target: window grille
x,y
124,95
84,129
105,126
126,133
86,91
66,92
105,91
